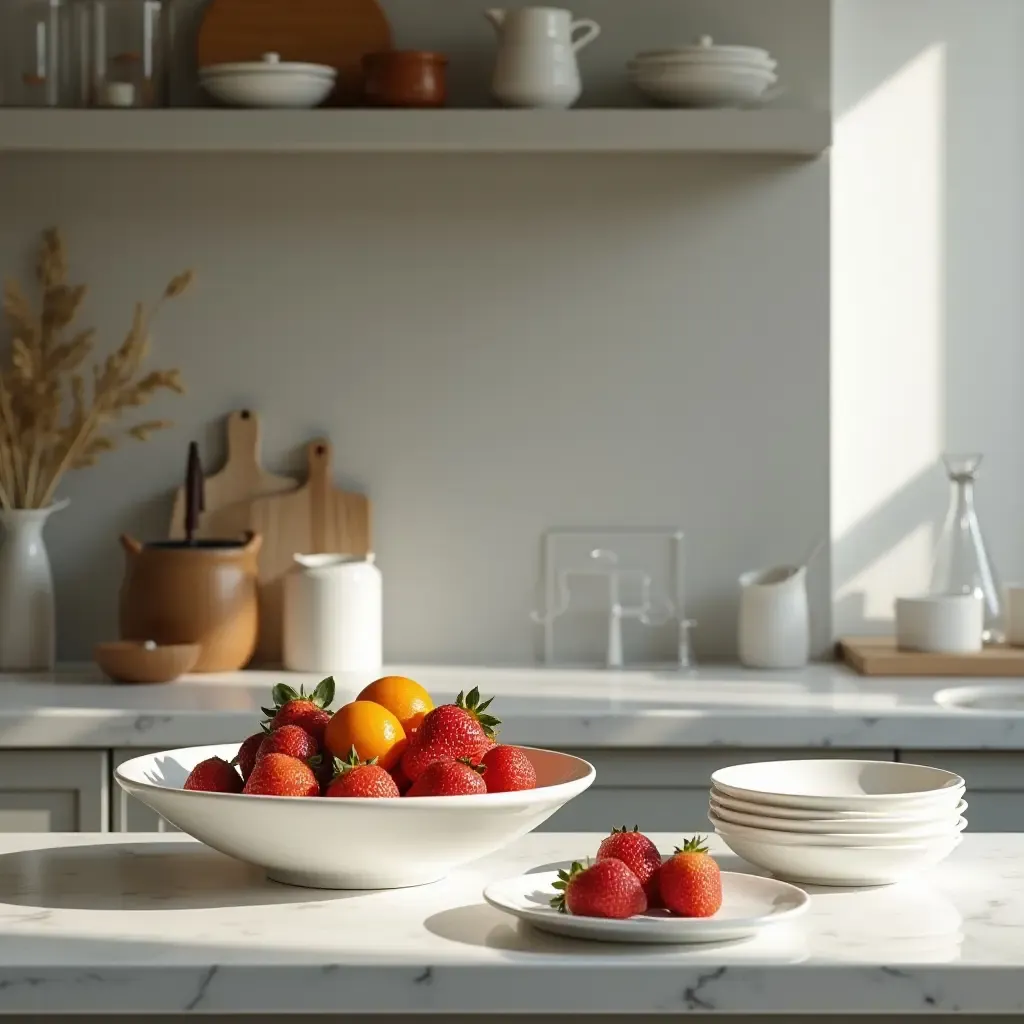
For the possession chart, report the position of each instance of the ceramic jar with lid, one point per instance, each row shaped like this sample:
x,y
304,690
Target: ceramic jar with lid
x,y
125,46
35,54
333,614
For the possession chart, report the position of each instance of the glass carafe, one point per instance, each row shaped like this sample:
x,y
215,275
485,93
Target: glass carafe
x,y
35,54
961,563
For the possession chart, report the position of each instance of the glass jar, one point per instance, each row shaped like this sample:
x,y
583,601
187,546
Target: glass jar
x,y
35,38
122,49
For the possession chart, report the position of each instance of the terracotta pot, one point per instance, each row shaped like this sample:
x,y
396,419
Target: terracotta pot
x,y
203,593
405,78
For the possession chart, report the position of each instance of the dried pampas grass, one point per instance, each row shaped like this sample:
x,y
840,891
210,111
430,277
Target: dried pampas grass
x,y
54,416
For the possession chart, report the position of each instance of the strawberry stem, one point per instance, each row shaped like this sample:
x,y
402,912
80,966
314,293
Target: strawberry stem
x,y
694,845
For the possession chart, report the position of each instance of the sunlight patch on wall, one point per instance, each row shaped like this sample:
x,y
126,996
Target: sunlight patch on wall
x,y
888,326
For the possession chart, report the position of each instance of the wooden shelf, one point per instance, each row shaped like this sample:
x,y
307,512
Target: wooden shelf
x,y
798,133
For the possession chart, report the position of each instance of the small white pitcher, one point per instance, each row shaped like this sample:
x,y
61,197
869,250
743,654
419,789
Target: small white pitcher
x,y
775,626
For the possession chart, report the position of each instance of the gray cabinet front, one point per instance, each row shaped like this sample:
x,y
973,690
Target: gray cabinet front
x,y
54,790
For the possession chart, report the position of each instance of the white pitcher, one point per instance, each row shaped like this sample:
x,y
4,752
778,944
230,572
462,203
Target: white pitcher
x,y
775,628
333,615
536,64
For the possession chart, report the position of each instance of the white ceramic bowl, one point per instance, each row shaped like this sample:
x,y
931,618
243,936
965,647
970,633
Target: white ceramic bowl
x,y
841,785
842,865
938,825
269,83
846,839
925,813
351,844
946,624
696,86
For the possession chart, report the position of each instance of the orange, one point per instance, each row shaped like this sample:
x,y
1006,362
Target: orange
x,y
404,698
371,729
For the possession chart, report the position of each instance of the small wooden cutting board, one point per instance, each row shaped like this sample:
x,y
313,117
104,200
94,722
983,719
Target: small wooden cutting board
x,y
316,519
229,491
879,656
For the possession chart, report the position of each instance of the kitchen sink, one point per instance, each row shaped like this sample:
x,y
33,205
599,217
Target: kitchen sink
x,y
1001,697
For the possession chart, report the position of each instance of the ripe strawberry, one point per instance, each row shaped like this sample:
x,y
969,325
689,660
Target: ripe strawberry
x,y
281,775
449,778
458,730
639,854
246,756
361,779
690,882
508,770
605,889
214,775
305,710
292,740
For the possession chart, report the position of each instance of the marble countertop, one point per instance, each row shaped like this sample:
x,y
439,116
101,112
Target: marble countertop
x,y
821,706
160,923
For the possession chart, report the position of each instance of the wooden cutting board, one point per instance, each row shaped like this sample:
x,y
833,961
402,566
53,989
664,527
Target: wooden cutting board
x,y
879,656
229,491
333,32
316,519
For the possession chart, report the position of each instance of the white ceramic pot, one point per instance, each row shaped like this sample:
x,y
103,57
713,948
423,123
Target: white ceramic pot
x,y
333,615
27,618
775,625
536,65
945,624
1013,609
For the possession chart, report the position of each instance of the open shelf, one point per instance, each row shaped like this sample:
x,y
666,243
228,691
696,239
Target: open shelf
x,y
799,133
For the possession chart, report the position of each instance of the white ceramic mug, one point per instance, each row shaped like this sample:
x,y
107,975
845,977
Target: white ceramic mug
x,y
775,621
940,624
1013,613
333,614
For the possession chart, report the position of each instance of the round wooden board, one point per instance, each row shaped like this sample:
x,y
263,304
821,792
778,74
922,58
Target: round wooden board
x,y
333,32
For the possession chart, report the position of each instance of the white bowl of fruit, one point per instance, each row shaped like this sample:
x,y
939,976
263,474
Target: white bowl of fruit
x,y
387,792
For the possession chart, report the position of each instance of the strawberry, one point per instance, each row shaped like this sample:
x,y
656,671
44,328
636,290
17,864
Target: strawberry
x,y
292,740
508,770
247,752
458,730
690,882
281,775
361,779
449,778
639,854
309,711
604,889
214,775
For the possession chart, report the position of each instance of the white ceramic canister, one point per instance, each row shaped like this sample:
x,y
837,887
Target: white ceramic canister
x,y
775,621
940,623
333,614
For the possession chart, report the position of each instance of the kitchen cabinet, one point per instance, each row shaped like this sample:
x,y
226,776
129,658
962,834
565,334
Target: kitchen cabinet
x,y
664,790
54,790
995,785
128,814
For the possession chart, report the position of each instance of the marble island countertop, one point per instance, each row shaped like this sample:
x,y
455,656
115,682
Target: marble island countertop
x,y
162,924
821,706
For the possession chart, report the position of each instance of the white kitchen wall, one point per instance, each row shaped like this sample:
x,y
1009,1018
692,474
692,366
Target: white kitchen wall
x,y
928,255
495,345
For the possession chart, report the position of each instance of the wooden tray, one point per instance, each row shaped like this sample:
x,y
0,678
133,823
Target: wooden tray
x,y
879,656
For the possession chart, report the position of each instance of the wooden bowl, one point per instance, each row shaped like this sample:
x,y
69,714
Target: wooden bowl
x,y
131,661
405,78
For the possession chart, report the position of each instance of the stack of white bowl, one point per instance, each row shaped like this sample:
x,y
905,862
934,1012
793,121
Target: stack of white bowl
x,y
836,822
705,75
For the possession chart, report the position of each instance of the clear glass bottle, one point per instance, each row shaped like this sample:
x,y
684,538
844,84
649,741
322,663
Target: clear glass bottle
x,y
122,53
961,564
35,45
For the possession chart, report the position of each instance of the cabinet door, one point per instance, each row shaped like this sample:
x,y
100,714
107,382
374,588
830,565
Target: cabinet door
x,y
995,785
54,790
129,815
664,790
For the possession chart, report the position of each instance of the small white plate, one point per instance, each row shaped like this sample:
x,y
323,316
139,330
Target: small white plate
x,y
749,905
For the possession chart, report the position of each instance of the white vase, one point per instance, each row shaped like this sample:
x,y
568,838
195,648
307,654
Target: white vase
x,y
27,632
775,627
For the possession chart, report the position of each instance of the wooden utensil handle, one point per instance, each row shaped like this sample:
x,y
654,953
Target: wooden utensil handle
x,y
318,456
